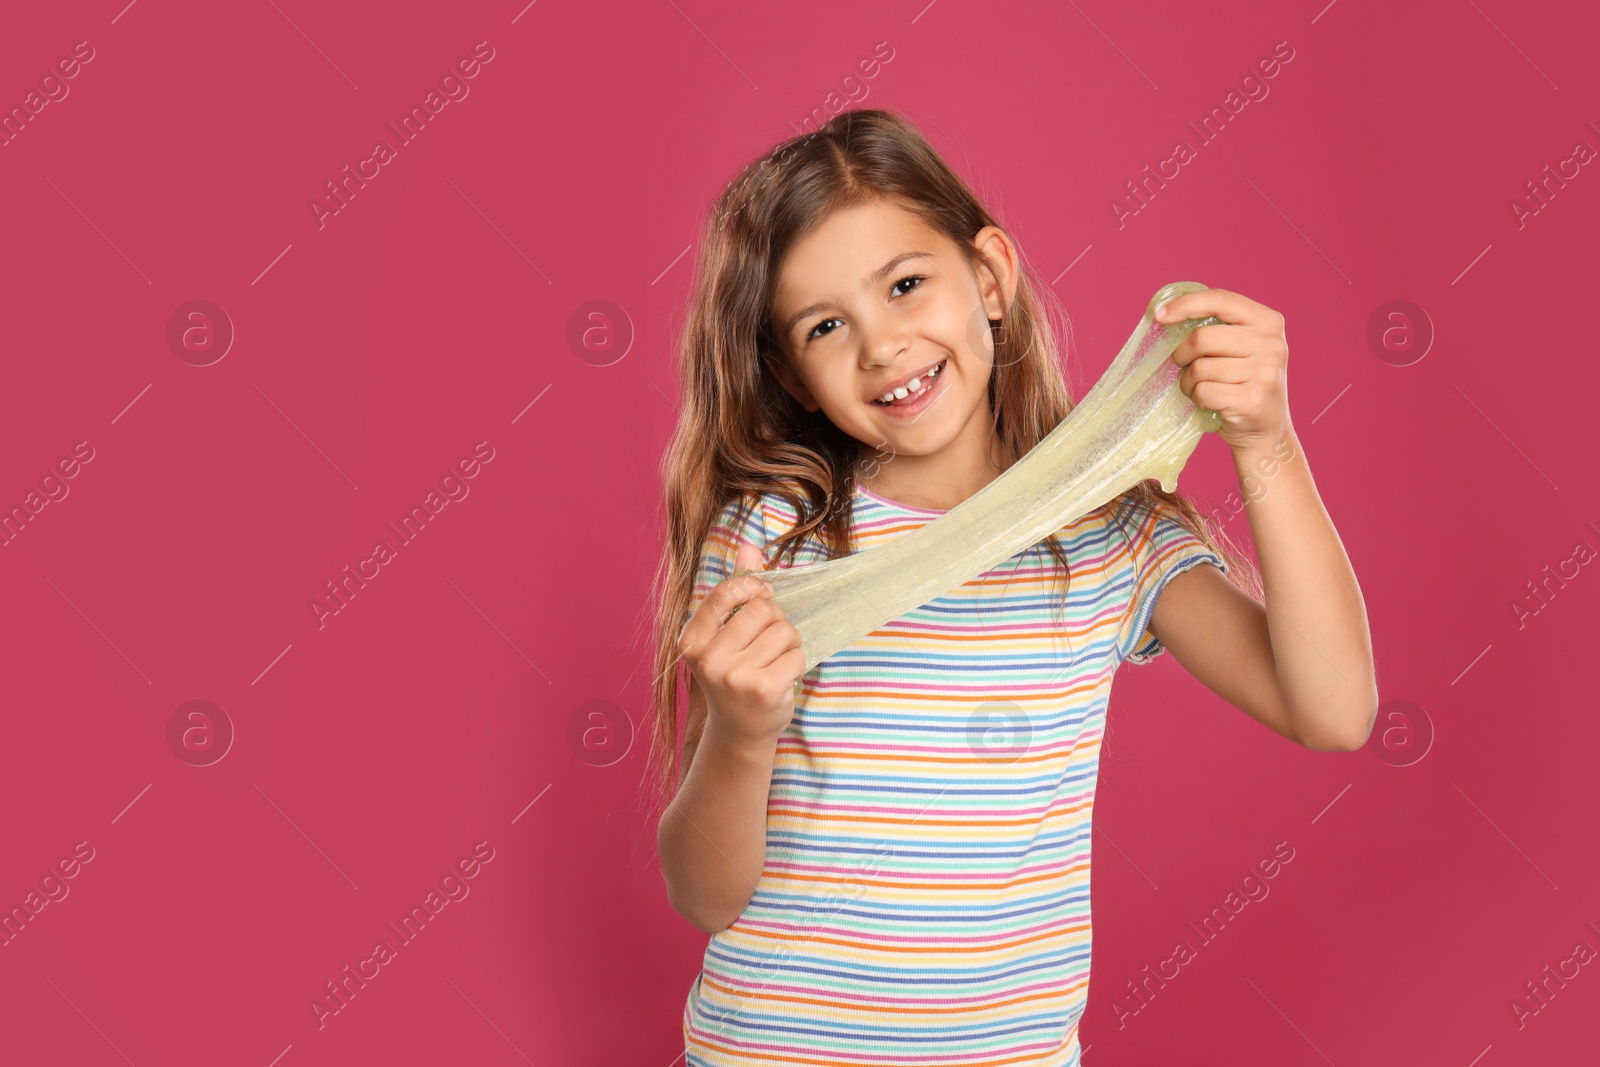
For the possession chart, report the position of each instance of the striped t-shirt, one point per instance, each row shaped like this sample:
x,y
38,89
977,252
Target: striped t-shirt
x,y
925,895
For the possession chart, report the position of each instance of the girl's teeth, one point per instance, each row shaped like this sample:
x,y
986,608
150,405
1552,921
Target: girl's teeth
x,y
913,386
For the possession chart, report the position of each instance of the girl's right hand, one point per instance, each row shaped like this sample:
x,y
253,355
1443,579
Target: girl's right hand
x,y
746,665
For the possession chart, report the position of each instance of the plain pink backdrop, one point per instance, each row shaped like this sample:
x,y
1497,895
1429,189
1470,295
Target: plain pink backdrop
x,y
446,703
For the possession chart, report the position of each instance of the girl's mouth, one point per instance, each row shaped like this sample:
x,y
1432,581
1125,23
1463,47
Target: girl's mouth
x,y
919,393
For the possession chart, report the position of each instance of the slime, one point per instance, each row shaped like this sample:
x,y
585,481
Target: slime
x,y
1135,423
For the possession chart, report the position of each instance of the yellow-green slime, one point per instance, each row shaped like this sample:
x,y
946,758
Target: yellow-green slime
x,y
1136,423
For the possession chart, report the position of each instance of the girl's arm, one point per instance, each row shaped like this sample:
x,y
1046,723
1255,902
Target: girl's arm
x,y
744,661
713,836
1302,662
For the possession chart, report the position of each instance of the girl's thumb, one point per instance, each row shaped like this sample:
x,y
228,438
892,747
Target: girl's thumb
x,y
748,558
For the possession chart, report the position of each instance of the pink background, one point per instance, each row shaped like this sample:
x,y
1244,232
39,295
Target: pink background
x,y
434,710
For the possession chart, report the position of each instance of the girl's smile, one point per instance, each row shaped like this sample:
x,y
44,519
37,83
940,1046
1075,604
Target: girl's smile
x,y
911,396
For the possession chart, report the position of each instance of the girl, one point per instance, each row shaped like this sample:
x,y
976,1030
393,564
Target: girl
x,y
891,853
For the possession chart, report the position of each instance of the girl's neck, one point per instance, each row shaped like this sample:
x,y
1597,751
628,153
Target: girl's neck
x,y
936,482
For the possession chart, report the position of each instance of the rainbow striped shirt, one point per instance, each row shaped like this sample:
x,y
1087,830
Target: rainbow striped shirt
x,y
925,895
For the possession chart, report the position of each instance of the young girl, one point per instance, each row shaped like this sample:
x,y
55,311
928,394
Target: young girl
x,y
891,853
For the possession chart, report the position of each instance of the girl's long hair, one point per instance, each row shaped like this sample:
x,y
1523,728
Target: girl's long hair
x,y
740,434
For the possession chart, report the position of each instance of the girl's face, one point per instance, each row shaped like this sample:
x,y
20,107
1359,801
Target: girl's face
x,y
874,299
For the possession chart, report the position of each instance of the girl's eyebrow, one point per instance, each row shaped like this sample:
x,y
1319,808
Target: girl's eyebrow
x,y
866,283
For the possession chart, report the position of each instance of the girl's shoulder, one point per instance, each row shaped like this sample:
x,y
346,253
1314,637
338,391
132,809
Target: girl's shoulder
x,y
755,518
1140,521
787,505
784,504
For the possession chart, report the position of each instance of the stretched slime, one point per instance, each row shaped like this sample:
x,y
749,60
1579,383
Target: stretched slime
x,y
1136,423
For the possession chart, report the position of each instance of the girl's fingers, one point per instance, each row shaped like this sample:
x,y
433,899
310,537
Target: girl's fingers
x,y
771,643
1225,304
1221,397
1221,370
753,616
748,558
793,661
1224,341
718,606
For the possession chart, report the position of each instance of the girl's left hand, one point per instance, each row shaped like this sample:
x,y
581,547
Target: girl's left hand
x,y
1238,368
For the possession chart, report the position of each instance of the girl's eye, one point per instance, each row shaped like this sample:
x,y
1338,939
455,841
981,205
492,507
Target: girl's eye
x,y
918,278
813,334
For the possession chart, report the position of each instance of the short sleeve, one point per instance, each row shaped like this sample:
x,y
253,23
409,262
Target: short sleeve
x,y
728,531
1159,547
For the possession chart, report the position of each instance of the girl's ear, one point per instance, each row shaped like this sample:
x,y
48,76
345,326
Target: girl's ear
x,y
792,383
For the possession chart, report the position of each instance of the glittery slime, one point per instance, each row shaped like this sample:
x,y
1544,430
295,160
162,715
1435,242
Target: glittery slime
x,y
1136,423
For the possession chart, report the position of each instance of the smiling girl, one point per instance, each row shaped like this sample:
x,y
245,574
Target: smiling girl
x,y
891,853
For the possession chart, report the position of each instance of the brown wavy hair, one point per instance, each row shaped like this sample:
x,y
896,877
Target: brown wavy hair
x,y
740,434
